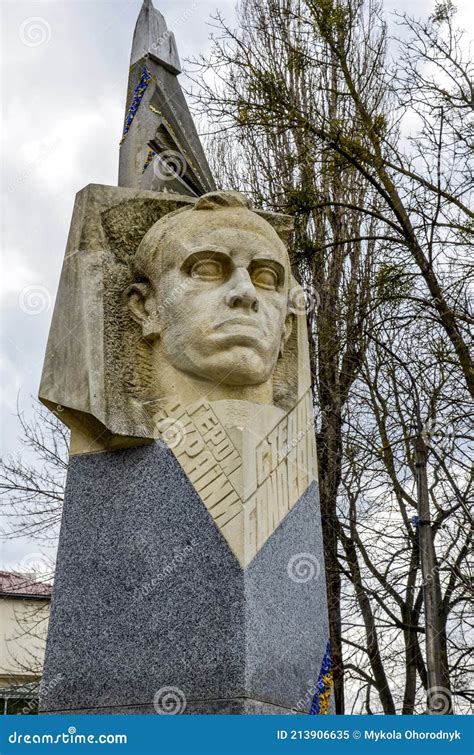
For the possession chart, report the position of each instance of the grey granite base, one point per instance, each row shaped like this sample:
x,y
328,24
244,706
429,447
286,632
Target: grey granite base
x,y
148,596
241,706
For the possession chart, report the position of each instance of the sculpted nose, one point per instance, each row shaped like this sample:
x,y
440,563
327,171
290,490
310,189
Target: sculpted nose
x,y
242,291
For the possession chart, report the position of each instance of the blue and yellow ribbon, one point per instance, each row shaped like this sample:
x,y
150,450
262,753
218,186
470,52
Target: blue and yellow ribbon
x,y
322,695
151,154
138,93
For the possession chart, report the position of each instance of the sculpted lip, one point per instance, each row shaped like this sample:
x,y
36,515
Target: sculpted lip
x,y
246,321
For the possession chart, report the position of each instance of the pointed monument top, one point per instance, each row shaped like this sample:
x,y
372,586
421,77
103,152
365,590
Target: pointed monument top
x,y
160,148
153,39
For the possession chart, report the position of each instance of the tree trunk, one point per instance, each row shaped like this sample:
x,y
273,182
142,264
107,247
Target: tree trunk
x,y
435,656
373,650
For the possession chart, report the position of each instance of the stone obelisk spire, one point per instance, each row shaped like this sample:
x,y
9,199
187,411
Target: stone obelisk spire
x,y
160,147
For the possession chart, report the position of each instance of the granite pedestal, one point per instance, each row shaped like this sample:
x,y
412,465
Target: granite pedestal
x,y
152,612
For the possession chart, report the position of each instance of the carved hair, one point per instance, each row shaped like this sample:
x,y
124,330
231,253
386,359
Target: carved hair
x,y
219,200
145,257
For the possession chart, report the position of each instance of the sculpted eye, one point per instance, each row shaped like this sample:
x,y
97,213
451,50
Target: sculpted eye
x,y
207,270
265,277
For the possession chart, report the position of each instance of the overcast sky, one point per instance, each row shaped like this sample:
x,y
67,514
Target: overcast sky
x,y
64,76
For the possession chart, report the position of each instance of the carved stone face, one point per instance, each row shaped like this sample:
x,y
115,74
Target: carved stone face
x,y
219,292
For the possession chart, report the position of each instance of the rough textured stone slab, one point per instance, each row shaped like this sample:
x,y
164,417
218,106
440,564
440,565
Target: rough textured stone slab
x,y
149,595
240,706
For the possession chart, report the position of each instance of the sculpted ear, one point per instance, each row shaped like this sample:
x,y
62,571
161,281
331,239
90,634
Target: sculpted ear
x,y
287,330
141,302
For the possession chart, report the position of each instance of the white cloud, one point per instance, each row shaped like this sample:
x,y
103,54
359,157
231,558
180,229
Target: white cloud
x,y
16,274
57,156
62,119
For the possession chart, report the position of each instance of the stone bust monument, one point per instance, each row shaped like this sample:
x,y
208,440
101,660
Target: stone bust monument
x,y
176,320
178,356
211,295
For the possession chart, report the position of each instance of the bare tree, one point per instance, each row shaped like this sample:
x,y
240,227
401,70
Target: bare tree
x,y
422,179
373,163
32,480
381,533
282,167
32,483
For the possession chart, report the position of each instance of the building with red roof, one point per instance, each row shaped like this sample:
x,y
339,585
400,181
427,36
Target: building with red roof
x,y
24,614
